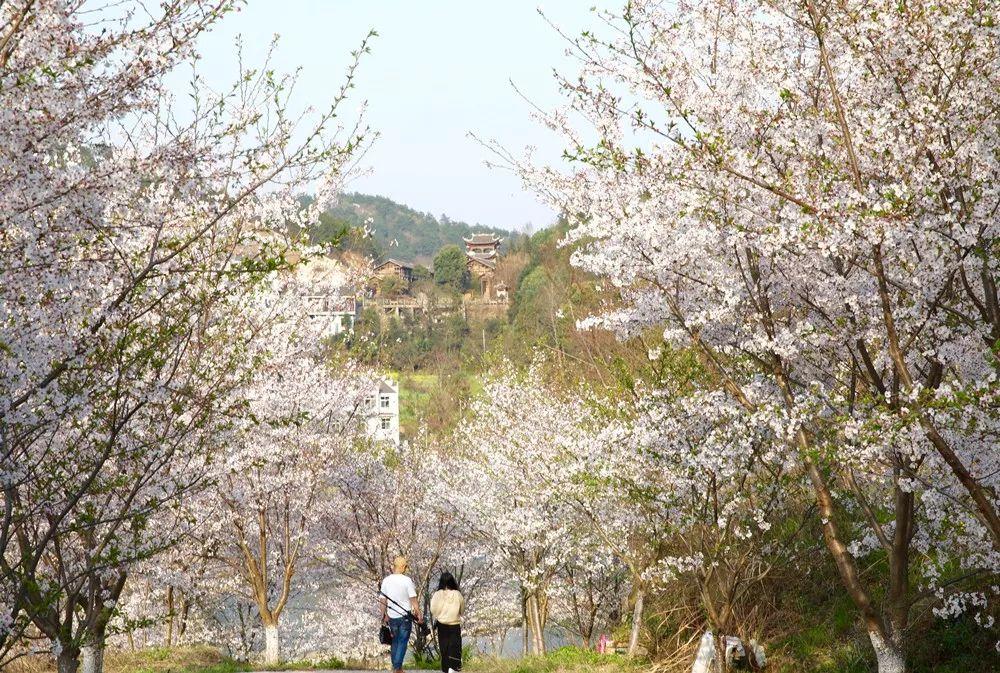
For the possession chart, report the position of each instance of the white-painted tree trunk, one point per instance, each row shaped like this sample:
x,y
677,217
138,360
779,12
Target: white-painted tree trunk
x,y
537,630
633,640
272,645
705,655
92,659
888,655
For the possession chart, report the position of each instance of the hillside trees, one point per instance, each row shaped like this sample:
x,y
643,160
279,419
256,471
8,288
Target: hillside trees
x,y
809,203
409,235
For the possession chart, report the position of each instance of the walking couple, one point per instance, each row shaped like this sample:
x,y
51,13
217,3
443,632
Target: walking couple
x,y
400,610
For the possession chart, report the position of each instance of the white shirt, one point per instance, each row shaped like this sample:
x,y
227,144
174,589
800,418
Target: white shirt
x,y
400,589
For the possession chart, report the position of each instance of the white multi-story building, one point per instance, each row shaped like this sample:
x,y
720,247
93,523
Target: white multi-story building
x,y
338,312
382,420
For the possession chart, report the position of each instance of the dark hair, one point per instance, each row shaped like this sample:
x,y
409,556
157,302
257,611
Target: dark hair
x,y
447,582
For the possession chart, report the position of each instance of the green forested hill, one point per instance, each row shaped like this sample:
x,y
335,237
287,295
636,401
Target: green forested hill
x,y
400,231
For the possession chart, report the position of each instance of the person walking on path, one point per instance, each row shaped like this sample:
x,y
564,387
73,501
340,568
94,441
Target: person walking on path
x,y
398,591
447,608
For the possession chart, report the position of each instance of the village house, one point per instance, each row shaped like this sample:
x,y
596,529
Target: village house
x,y
328,298
394,268
382,413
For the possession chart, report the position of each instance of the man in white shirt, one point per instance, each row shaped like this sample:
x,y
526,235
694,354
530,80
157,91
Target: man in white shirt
x,y
398,591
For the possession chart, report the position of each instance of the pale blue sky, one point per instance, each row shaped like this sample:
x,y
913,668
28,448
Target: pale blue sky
x,y
438,69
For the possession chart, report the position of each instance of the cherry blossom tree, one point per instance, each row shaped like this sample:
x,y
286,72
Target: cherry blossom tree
x,y
126,515
662,487
500,482
805,194
387,509
271,486
130,232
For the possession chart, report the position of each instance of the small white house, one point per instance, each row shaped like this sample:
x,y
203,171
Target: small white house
x,y
382,420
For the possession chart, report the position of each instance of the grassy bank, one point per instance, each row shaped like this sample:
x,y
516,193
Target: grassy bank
x,y
198,659
210,660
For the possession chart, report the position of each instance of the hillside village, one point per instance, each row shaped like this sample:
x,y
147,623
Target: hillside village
x,y
392,291
360,293
434,322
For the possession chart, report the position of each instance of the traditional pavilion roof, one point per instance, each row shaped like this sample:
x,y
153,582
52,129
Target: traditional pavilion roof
x,y
483,239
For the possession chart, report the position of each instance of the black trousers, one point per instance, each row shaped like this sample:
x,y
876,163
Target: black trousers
x,y
450,642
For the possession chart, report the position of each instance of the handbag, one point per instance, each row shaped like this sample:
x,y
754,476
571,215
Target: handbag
x,y
385,635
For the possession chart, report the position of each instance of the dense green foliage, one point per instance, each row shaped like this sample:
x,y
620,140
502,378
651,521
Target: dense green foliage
x,y
450,268
399,231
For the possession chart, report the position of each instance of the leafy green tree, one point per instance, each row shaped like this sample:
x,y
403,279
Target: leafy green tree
x,y
450,268
453,331
421,272
390,286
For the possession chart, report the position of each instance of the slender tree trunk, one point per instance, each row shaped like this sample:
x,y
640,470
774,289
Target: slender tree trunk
x,y
272,644
92,658
633,640
182,624
541,618
525,621
170,616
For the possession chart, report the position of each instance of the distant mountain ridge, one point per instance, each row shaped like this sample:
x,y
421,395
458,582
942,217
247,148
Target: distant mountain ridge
x,y
400,232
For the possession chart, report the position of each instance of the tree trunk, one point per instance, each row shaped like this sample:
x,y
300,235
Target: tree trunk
x,y
182,625
525,623
889,655
532,625
537,635
633,640
68,660
272,644
93,659
170,616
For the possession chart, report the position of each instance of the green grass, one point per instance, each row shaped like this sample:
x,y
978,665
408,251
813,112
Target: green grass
x,y
173,660
837,643
199,660
414,393
563,660
207,660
